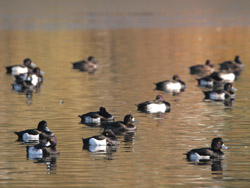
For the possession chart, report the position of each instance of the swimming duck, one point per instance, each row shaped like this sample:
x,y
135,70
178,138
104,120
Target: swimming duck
x,y
175,85
155,106
35,78
216,79
37,134
235,66
90,65
119,127
220,95
207,153
43,150
96,117
107,138
29,81
202,70
20,69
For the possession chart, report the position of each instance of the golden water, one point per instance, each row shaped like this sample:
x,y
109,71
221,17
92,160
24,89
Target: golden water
x,y
131,58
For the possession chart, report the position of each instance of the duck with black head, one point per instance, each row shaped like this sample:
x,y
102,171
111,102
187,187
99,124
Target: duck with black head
x,y
107,138
40,133
29,81
208,153
159,105
176,85
20,69
96,117
216,79
220,94
119,127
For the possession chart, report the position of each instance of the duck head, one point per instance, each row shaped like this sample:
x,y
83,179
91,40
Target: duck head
x,y
128,119
160,98
104,113
109,133
217,144
43,126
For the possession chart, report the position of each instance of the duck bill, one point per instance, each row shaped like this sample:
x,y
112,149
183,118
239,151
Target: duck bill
x,y
134,121
47,144
33,64
234,89
47,129
224,147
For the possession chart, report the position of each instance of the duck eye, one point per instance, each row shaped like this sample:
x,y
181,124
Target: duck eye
x,y
107,134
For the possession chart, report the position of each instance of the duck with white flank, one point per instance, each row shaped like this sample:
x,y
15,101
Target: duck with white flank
x,y
96,117
159,105
29,81
221,95
207,153
216,79
40,133
107,138
175,85
20,69
43,150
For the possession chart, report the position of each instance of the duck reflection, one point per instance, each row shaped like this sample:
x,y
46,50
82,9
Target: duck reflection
x,y
216,165
50,162
102,151
129,137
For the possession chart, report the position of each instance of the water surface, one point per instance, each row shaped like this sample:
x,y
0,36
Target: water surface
x,y
137,44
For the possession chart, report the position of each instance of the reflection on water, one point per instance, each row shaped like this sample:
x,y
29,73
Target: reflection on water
x,y
50,163
131,59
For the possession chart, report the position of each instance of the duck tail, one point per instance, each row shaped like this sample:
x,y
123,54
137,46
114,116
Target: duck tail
x,y
206,94
19,135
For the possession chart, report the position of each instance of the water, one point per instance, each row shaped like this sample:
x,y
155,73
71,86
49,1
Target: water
x,y
137,44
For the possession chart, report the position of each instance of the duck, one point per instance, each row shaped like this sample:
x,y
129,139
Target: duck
x,y
107,138
236,66
119,127
43,150
90,65
29,135
29,81
202,70
159,105
35,78
175,85
213,80
96,117
208,153
220,95
20,69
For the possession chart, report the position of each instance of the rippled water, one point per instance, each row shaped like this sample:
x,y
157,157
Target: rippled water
x,y
136,47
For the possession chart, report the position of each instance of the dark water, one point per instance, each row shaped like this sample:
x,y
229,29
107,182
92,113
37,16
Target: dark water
x,y
137,44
